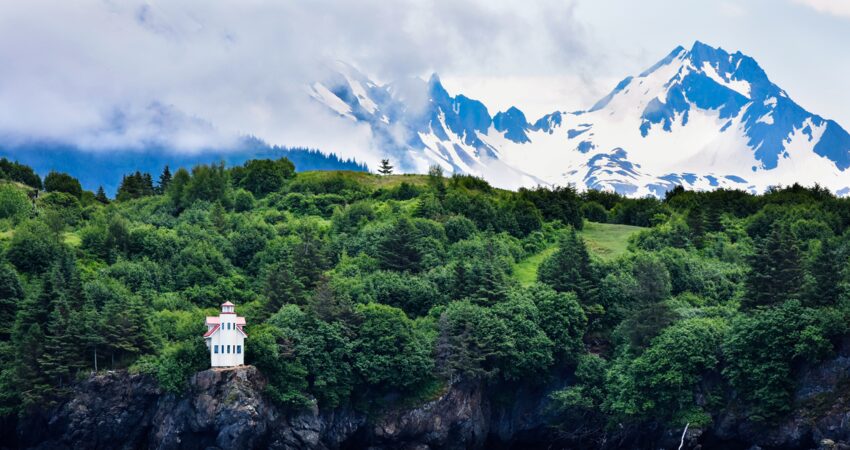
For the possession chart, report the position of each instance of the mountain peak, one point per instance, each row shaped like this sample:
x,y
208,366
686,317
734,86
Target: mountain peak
x,y
701,117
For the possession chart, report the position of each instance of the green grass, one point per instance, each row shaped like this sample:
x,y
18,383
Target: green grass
x,y
69,237
605,240
525,271
72,239
365,178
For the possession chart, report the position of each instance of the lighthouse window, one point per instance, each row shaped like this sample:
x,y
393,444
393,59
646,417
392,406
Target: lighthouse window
x,y
228,349
238,349
215,349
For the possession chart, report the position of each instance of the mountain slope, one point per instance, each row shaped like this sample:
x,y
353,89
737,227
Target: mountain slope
x,y
700,117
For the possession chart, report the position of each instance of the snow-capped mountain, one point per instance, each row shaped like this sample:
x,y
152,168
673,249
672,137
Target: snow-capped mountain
x,y
702,118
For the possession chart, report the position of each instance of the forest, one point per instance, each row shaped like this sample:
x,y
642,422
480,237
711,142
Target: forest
x,y
367,290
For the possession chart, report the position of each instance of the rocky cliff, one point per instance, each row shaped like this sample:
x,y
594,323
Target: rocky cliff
x,y
225,408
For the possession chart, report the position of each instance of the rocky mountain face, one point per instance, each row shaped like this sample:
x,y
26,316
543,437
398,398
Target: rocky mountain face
x,y
225,408
701,117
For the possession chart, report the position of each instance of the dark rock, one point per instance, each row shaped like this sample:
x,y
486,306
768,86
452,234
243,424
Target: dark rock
x,y
226,409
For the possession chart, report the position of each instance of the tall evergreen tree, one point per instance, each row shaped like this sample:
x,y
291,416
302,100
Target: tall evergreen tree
x,y
385,168
101,196
826,274
164,181
569,269
11,295
696,222
126,329
91,330
712,218
776,272
135,185
29,376
397,251
61,355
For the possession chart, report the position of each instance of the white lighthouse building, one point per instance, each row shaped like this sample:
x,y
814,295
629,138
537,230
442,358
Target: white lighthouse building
x,y
225,337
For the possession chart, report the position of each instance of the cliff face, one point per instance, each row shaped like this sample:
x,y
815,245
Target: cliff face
x,y
225,408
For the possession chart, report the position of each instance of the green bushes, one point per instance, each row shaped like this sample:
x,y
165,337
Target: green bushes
x,y
662,382
14,203
367,291
763,347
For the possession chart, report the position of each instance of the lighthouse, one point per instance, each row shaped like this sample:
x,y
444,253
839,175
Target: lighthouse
x,y
225,337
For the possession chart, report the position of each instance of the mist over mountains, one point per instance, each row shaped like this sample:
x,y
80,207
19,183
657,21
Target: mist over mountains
x,y
701,117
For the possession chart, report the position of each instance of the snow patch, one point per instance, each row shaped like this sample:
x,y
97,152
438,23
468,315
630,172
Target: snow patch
x,y
740,86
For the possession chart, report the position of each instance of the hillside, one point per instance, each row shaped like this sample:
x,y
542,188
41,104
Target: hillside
x,y
604,240
378,306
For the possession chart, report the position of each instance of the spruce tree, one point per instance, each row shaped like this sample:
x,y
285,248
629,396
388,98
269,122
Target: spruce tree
x,y
776,272
282,286
61,357
826,273
696,222
91,331
397,251
135,185
120,330
219,217
101,196
11,295
712,219
569,269
29,376
164,180
385,168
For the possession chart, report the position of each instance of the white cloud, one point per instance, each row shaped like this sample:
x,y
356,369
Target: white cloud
x,y
833,7
535,95
734,10
192,74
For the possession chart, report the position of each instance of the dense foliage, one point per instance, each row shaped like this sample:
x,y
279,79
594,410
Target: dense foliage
x,y
361,289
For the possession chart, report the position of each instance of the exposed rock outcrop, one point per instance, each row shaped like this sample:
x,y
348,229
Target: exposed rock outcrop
x,y
226,409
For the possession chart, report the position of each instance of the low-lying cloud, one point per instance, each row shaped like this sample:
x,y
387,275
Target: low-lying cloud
x,y
191,75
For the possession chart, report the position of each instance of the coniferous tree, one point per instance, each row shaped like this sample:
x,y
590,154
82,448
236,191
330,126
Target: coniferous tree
x,y
696,222
569,269
397,251
61,355
385,168
91,330
101,196
712,218
776,272
283,286
11,295
147,185
120,329
218,217
29,376
164,181
135,185
826,272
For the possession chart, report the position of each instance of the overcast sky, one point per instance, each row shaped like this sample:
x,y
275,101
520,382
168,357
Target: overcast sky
x,y
190,74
